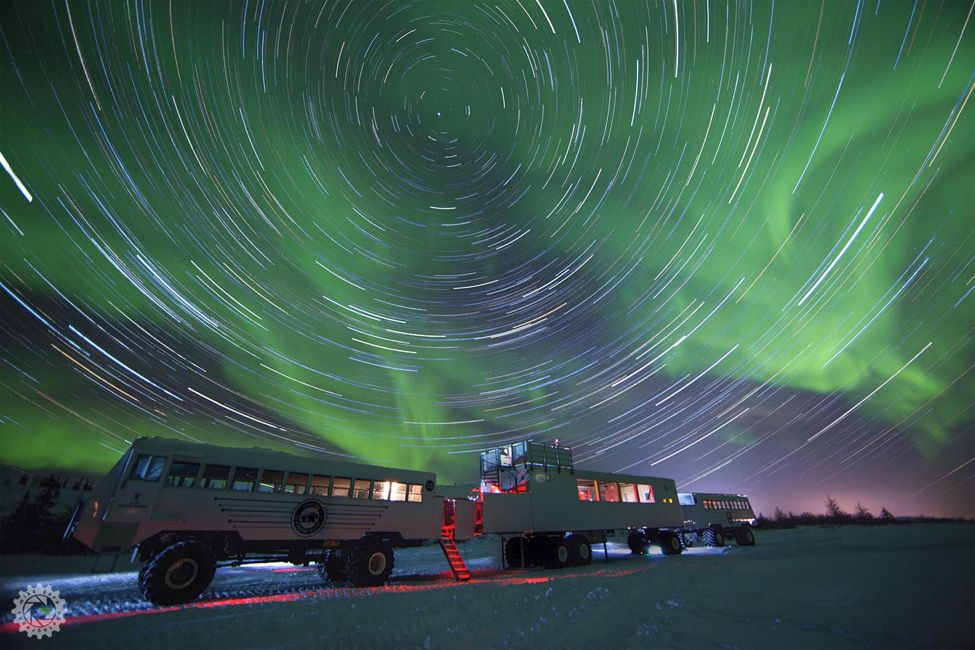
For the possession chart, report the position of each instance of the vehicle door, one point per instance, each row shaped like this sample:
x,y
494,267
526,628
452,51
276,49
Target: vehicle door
x,y
138,492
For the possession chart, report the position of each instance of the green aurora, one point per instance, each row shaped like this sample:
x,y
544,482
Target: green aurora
x,y
407,231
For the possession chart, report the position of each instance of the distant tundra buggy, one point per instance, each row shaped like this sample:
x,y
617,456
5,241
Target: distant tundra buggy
x,y
185,509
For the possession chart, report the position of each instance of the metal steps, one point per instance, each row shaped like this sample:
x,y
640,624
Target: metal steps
x,y
454,559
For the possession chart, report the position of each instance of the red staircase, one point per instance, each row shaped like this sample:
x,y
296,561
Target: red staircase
x,y
449,525
454,559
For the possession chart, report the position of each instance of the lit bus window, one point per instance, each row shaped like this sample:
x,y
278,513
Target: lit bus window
x,y
215,477
361,489
244,479
148,468
415,494
341,486
182,474
608,492
646,493
397,492
272,480
628,492
296,483
587,490
320,485
381,490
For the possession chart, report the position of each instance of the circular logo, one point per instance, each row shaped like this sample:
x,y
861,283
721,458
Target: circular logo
x,y
308,518
39,611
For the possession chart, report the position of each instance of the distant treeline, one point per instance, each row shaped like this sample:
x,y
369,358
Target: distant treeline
x,y
33,528
836,516
51,480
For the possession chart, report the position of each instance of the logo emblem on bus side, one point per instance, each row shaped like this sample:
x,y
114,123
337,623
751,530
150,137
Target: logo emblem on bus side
x,y
308,518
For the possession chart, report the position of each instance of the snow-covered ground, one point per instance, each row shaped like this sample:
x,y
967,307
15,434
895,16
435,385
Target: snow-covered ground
x,y
886,587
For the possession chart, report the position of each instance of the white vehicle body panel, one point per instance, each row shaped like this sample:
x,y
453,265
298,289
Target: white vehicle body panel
x,y
705,509
552,504
124,511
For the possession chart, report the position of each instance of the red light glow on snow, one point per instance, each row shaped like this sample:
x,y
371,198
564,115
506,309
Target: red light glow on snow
x,y
489,577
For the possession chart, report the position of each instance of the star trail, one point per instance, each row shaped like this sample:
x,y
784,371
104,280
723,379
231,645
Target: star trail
x,y
729,243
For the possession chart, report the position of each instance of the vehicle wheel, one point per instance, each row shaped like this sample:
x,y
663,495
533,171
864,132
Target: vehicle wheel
x,y
745,536
707,537
513,553
334,569
638,542
142,577
670,543
559,554
178,574
718,538
579,550
370,564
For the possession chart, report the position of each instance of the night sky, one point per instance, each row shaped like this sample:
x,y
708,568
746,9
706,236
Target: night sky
x,y
728,244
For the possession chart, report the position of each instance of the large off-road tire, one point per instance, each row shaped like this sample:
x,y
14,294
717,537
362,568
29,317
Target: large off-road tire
x,y
745,537
513,550
558,554
638,542
334,569
370,564
712,537
142,576
670,543
580,552
178,574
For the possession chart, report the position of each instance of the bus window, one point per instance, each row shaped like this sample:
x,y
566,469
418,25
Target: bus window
x,y
608,492
296,483
361,489
628,492
244,479
587,490
415,494
340,488
320,485
646,493
380,490
182,474
271,481
215,477
398,492
148,468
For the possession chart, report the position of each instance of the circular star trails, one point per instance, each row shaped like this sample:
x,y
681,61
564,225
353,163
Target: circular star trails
x,y
731,244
